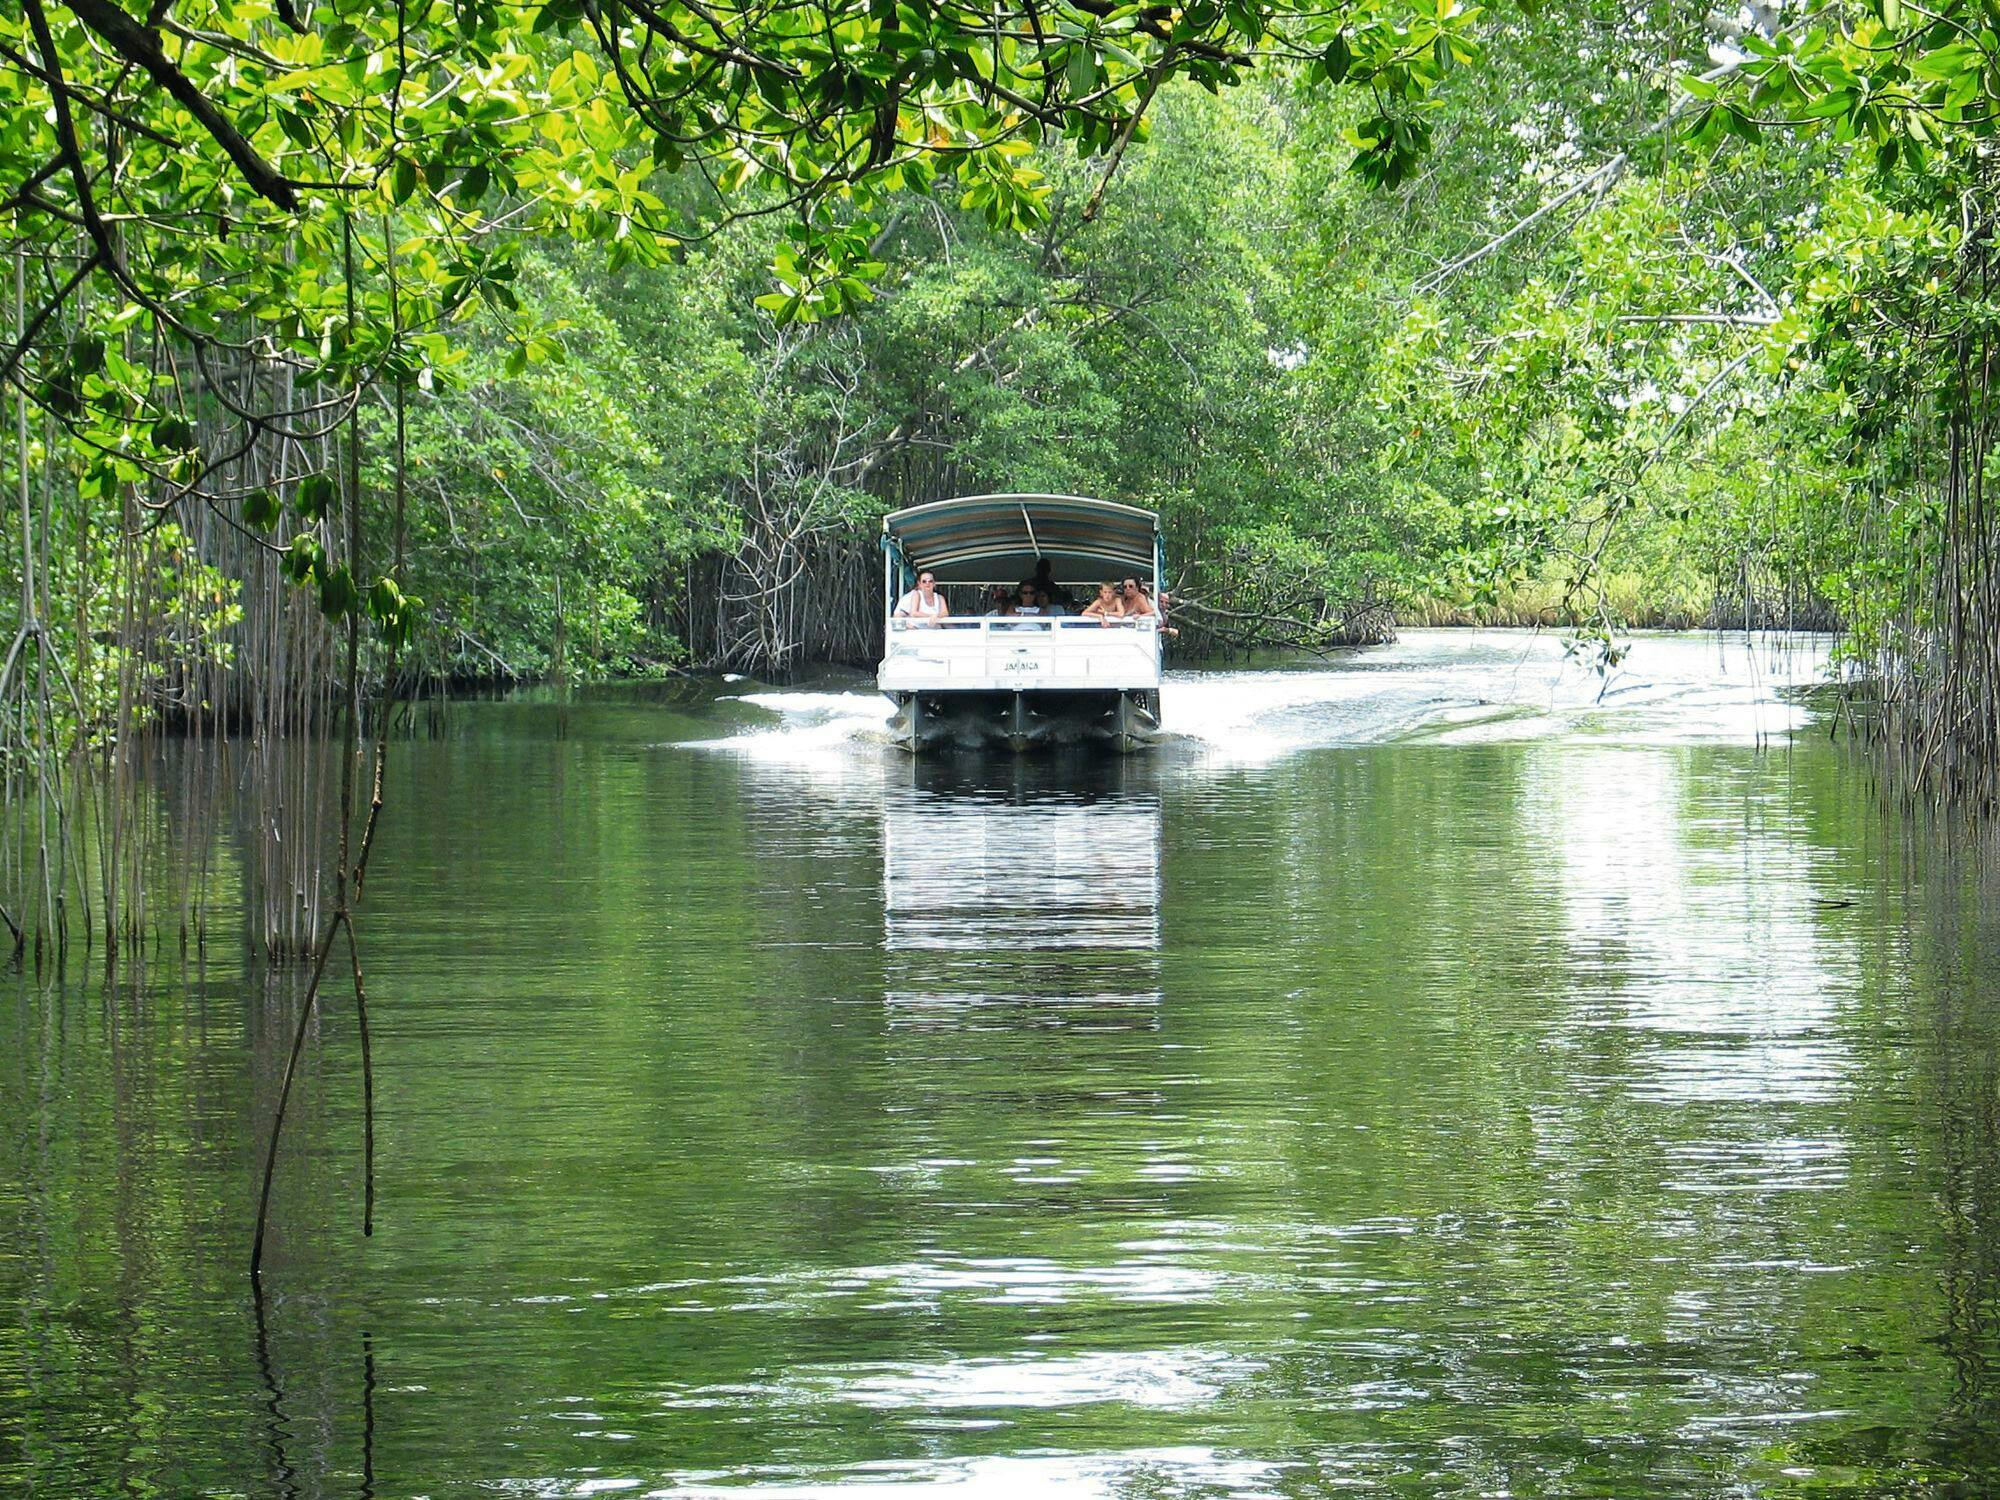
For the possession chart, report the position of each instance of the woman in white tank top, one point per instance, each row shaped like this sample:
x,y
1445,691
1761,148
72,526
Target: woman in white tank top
x,y
923,602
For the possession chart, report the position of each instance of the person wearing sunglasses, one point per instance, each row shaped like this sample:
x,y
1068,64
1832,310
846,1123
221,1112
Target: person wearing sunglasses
x,y
923,602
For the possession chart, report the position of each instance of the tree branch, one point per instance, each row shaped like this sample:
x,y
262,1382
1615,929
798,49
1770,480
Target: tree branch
x,y
48,310
136,44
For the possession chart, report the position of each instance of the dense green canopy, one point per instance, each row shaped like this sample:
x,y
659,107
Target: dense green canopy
x,y
597,335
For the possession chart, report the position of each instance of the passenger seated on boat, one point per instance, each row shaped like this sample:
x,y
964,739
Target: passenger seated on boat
x,y
1044,583
1105,607
923,602
1028,601
1049,603
999,602
1133,602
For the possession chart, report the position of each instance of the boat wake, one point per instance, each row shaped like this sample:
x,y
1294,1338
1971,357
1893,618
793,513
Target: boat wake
x,y
1451,687
802,725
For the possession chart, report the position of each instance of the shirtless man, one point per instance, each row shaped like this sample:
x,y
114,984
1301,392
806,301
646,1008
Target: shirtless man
x,y
923,602
1132,600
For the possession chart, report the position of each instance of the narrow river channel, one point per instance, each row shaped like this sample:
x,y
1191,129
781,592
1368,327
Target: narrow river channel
x,y
1439,1071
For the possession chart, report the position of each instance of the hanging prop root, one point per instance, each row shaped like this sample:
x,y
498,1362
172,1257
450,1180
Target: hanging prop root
x,y
338,920
367,1084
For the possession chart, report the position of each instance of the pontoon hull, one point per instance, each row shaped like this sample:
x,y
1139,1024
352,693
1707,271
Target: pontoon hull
x,y
1126,720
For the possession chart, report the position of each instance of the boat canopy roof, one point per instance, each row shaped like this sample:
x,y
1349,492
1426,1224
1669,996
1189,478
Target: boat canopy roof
x,y
1000,538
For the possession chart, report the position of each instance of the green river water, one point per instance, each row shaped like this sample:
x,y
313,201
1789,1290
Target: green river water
x,y
1441,1073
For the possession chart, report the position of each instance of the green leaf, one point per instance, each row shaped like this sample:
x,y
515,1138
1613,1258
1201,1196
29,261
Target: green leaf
x,y
1081,70
86,354
314,497
261,510
403,181
301,558
338,597
1830,106
1245,19
1337,58
1741,125
394,612
59,395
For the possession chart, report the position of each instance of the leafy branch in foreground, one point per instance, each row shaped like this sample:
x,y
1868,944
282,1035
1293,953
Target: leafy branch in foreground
x,y
184,183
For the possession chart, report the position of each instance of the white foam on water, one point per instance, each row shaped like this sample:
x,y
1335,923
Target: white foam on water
x,y
811,726
1480,686
1253,718
813,703
1440,686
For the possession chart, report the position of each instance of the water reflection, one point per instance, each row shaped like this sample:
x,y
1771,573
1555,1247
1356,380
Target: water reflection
x,y
1027,896
1431,1119
1022,936
1709,940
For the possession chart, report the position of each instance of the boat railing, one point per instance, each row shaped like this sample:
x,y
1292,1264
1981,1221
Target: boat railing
x,y
994,653
1021,624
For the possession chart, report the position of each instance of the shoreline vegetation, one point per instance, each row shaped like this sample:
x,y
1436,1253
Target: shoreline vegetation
x,y
355,345
1635,604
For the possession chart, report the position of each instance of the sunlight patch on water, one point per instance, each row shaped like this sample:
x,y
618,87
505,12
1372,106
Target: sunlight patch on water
x,y
1070,1476
1163,1378
1020,1280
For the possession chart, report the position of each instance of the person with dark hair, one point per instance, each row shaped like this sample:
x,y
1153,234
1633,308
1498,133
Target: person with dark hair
x,y
1044,582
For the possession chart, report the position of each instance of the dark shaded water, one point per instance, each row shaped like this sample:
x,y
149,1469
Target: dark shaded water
x,y
1585,1096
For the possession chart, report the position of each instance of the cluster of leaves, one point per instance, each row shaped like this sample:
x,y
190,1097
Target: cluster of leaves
x,y
1913,83
1880,355
329,192
829,253
1653,328
559,503
306,561
867,98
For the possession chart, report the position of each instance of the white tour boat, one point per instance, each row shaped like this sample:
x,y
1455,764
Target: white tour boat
x,y
970,676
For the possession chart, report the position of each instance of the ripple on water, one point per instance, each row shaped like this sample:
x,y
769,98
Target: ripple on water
x,y
1445,1073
